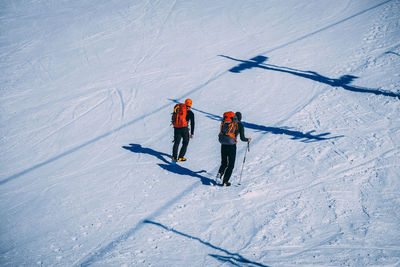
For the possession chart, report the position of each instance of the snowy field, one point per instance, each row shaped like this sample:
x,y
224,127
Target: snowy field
x,y
86,93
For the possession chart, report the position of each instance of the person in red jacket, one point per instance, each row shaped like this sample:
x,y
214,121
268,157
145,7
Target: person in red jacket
x,y
184,134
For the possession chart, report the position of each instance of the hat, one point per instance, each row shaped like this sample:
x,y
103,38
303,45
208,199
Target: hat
x,y
188,102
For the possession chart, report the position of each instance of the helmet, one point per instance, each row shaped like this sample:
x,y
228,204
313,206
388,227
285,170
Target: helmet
x,y
188,102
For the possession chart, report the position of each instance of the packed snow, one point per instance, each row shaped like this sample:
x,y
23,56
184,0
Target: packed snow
x,y
87,91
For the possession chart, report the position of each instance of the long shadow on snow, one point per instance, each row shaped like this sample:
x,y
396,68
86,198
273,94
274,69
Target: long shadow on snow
x,y
344,81
394,53
174,168
307,137
233,258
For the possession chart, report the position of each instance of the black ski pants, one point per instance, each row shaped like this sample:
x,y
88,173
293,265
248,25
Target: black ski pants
x,y
179,134
228,156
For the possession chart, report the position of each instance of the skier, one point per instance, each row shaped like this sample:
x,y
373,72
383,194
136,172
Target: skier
x,y
231,127
181,118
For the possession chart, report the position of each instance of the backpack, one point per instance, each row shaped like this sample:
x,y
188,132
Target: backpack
x,y
229,127
178,119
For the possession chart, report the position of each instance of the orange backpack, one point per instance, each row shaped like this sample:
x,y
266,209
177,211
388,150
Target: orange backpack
x,y
228,129
179,116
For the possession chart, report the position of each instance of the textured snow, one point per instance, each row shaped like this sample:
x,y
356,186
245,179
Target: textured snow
x,y
87,88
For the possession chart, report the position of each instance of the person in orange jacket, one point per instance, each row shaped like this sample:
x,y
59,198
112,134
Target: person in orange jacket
x,y
184,134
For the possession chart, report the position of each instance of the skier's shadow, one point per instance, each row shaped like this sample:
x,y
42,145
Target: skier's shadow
x,y
307,137
232,258
174,168
343,82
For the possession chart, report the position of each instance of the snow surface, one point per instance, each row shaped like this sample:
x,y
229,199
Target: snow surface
x,y
87,88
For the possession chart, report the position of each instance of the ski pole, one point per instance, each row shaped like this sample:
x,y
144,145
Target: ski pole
x,y
244,160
